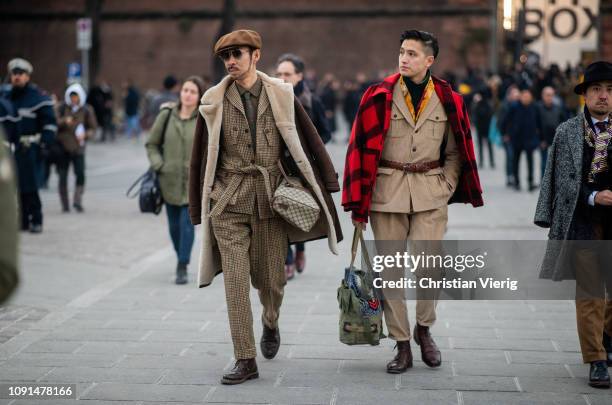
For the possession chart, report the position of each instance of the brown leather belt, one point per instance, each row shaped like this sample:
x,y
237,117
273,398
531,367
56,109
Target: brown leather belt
x,y
410,167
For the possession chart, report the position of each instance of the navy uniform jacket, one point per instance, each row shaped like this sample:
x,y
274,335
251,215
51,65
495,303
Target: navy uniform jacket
x,y
33,115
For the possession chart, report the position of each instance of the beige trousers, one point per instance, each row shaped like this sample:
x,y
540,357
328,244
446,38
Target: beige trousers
x,y
392,232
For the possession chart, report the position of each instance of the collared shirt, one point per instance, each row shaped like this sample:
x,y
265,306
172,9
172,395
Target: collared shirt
x,y
251,110
597,131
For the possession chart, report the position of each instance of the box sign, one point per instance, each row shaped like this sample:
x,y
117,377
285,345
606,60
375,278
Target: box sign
x,y
562,29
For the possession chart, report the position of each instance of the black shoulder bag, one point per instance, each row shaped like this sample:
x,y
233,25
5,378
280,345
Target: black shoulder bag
x,y
150,197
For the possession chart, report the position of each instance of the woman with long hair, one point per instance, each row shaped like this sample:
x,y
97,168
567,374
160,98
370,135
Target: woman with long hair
x,y
169,152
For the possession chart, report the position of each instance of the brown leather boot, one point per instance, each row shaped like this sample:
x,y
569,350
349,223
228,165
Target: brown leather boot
x,y
270,342
402,360
243,370
429,350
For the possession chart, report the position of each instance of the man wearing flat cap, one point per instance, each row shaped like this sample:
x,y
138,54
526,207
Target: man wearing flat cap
x,y
575,203
34,128
248,123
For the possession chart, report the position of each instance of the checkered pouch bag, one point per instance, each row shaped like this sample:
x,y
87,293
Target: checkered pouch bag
x,y
294,203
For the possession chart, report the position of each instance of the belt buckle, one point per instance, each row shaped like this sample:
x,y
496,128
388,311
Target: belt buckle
x,y
405,167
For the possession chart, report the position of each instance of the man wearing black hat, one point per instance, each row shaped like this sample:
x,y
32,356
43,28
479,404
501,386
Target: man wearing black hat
x,y
35,128
575,201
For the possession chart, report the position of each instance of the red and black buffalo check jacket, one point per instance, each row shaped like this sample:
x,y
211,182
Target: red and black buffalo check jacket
x,y
367,140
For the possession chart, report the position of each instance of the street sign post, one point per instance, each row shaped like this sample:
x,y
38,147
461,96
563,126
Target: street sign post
x,y
83,29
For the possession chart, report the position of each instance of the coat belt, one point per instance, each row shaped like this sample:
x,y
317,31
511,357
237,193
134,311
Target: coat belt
x,y
410,167
238,175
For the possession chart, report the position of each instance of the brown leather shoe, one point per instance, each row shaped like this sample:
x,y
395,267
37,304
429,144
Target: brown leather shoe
x,y
270,342
402,360
429,350
243,370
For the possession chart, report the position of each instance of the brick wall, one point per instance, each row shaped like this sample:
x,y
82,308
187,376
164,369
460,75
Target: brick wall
x,y
147,49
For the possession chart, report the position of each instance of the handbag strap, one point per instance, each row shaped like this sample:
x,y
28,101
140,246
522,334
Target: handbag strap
x,y
289,179
127,193
163,134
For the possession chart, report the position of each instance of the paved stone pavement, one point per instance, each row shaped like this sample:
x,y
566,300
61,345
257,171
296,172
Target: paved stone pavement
x,y
97,308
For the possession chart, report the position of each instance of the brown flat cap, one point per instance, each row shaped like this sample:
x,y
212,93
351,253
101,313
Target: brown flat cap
x,y
238,38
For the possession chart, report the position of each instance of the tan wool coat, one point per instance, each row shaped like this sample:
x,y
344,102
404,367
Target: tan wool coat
x,y
304,153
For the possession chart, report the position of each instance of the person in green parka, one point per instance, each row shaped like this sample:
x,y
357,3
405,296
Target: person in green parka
x,y
8,223
169,152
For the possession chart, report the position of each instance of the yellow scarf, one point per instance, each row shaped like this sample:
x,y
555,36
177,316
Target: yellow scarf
x,y
429,90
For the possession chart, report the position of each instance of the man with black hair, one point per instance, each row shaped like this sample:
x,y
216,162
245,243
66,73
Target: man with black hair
x,y
168,94
409,155
290,68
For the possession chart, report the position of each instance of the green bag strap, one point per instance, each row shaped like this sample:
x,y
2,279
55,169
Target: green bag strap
x,y
358,239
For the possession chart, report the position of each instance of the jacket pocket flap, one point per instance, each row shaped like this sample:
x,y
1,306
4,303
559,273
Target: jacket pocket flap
x,y
438,117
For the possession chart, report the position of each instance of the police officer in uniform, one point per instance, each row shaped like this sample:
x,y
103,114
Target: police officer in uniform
x,y
35,127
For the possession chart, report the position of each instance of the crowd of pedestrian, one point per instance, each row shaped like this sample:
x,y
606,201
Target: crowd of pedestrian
x,y
519,110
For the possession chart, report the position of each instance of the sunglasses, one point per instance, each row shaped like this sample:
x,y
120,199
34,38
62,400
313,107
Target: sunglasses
x,y
226,55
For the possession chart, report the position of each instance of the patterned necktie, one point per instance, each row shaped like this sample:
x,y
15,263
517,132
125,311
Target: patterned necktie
x,y
251,115
600,157
602,126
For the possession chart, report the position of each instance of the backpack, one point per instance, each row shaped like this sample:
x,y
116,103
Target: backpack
x,y
360,307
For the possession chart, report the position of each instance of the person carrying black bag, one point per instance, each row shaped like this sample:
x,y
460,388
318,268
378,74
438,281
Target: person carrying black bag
x,y
169,152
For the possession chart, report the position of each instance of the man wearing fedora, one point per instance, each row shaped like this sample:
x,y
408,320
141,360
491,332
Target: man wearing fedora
x,y
410,154
248,123
575,203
